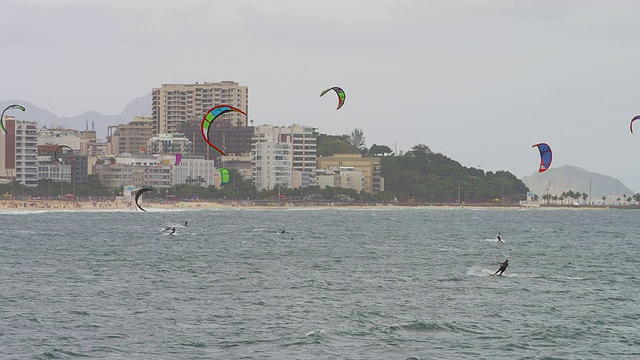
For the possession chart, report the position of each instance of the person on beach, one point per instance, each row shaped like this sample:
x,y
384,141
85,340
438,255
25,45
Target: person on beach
x,y
503,267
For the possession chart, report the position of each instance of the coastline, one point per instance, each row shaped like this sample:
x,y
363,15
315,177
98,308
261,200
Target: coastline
x,y
63,205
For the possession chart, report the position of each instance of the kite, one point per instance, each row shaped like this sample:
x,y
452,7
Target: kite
x,y
341,95
213,114
140,192
58,151
19,107
224,176
545,156
632,120
178,158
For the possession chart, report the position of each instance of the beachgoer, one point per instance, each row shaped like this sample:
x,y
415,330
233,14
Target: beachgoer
x,y
503,267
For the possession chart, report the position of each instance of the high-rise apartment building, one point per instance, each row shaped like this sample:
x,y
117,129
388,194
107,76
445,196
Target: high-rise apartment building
x,y
8,149
173,104
26,140
284,156
132,137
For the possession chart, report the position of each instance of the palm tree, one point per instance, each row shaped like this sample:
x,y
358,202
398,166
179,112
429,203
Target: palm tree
x,y
200,180
190,180
603,199
584,197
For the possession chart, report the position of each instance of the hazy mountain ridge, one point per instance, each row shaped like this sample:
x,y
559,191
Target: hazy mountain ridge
x,y
565,178
140,106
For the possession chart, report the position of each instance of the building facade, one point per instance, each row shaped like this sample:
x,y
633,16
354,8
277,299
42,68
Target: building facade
x,y
132,137
8,146
232,140
114,175
26,140
283,156
68,137
173,104
369,166
195,168
169,143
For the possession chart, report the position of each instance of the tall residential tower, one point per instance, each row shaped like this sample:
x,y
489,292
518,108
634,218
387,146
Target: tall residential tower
x,y
173,104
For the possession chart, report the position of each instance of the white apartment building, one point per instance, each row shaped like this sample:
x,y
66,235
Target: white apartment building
x,y
169,143
194,168
283,156
343,177
140,170
54,171
178,103
27,152
71,138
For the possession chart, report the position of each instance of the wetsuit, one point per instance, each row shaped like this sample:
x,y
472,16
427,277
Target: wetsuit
x,y
503,267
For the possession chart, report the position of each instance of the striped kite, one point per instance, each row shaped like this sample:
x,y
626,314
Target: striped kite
x,y
210,116
341,95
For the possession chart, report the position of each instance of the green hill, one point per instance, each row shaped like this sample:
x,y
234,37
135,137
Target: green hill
x,y
572,178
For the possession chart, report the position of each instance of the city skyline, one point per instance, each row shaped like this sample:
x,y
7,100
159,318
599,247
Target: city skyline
x,y
479,82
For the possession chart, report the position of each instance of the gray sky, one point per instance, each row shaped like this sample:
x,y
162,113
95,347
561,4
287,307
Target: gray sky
x,y
479,81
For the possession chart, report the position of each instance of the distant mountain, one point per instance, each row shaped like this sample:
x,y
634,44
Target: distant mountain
x,y
565,178
138,107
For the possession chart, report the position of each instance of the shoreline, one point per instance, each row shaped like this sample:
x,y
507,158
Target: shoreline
x,y
63,205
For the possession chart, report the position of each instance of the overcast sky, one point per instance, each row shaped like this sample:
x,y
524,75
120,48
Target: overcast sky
x,y
479,81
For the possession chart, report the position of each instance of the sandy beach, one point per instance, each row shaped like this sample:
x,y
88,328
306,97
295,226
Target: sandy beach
x,y
62,205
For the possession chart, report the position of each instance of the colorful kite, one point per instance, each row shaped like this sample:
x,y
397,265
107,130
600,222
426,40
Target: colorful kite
x,y
19,107
341,95
545,156
224,176
59,150
140,192
632,120
210,116
178,158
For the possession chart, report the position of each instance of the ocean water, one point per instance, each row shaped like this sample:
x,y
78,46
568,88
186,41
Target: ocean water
x,y
340,284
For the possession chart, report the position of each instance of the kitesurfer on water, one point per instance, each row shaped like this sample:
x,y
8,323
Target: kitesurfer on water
x,y
282,231
503,267
185,223
172,231
499,238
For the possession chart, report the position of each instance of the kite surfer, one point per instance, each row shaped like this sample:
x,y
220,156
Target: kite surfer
x,y
503,267
185,223
499,238
282,231
172,231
